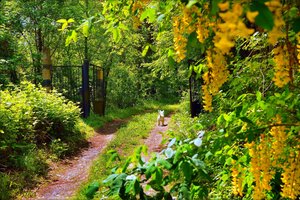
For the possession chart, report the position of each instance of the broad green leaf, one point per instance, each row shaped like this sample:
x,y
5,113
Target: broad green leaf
x,y
63,21
150,13
110,178
169,153
131,177
127,163
258,96
265,17
296,24
191,3
71,20
158,176
170,53
74,36
187,170
178,156
184,192
85,29
64,26
116,34
247,120
160,17
117,184
214,7
145,50
68,40
172,142
92,189
164,163
130,186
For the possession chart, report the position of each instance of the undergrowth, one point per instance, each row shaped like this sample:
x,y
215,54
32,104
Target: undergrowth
x,y
127,138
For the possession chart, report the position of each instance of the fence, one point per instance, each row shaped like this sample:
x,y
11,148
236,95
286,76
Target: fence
x,y
82,84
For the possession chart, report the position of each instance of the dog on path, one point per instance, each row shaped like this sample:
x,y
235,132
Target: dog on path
x,y
161,118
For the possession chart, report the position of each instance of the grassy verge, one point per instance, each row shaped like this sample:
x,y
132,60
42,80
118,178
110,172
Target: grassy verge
x,y
126,140
96,121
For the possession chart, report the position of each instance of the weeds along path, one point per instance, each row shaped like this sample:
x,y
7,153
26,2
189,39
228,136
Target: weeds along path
x,y
66,176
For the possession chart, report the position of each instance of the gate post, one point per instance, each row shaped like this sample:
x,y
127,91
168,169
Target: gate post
x,y
46,72
85,89
99,101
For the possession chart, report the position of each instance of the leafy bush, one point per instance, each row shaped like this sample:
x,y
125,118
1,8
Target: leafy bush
x,y
34,123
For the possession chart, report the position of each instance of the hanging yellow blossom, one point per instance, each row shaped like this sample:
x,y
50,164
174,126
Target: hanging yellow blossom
x,y
260,167
215,77
202,28
291,176
277,31
278,140
281,76
237,181
251,16
224,6
179,39
231,28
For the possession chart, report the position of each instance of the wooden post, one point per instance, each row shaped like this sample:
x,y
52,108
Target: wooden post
x,y
46,72
99,102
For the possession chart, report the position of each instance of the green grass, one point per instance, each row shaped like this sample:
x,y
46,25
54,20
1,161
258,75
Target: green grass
x,y
95,121
127,138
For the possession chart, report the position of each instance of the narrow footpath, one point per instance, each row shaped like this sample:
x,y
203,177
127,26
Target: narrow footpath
x,y
66,176
155,137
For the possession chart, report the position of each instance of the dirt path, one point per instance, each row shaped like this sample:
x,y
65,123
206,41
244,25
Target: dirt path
x,y
155,137
65,177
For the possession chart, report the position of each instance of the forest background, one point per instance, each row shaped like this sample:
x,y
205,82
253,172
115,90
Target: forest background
x,y
245,55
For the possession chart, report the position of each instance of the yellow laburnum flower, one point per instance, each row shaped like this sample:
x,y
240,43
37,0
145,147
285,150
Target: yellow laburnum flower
x,y
251,16
282,67
207,98
223,6
277,32
260,167
291,176
224,44
231,28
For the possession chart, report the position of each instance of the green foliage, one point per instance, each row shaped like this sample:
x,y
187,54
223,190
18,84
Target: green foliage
x,y
129,136
33,122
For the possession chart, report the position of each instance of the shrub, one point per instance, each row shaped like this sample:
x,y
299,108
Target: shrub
x,y
34,123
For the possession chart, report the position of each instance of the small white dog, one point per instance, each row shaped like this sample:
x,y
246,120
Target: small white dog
x,y
161,118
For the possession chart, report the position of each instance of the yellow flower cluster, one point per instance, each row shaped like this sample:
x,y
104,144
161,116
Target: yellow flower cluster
x,y
207,97
291,176
260,167
278,141
181,26
232,27
281,76
277,31
215,77
179,39
237,182
202,27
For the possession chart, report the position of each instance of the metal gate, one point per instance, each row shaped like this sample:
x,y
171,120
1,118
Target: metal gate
x,y
81,84
195,95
